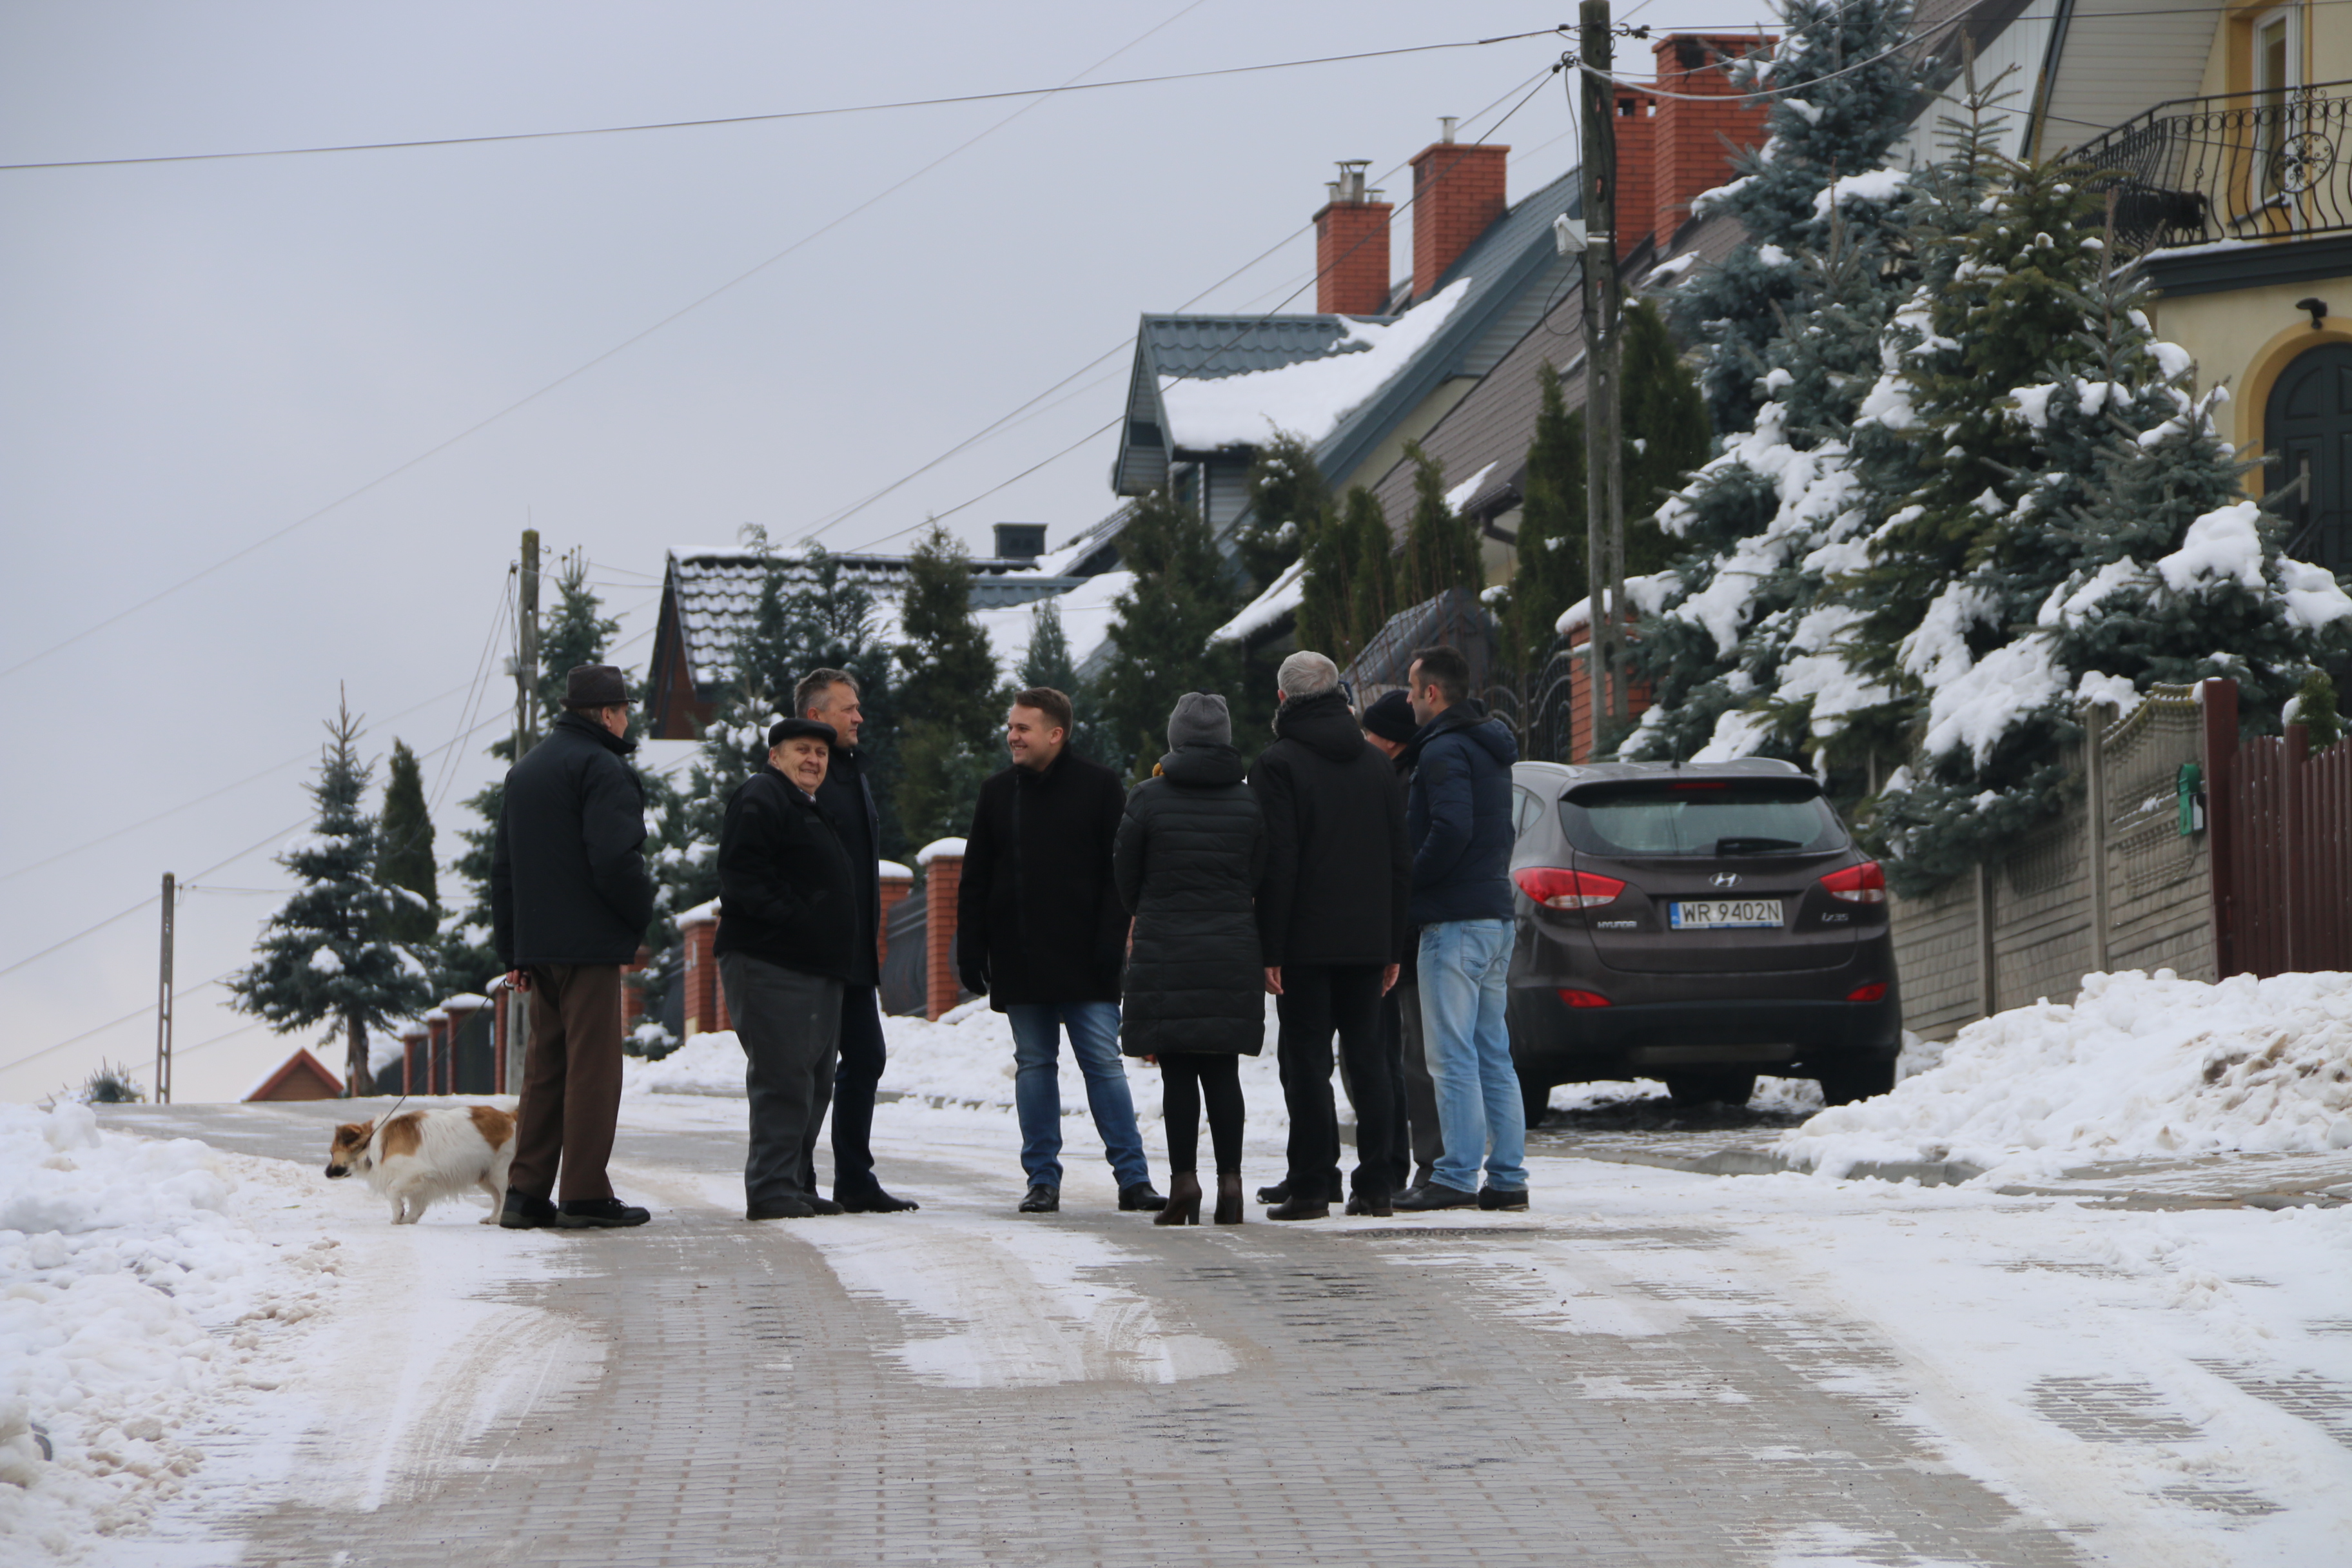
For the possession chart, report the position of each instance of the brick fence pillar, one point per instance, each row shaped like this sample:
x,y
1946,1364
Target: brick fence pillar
x,y
501,1014
414,1040
942,865
633,995
897,883
705,1003
459,1011
436,1052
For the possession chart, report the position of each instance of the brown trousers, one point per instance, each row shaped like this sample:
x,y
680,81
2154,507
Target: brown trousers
x,y
571,1081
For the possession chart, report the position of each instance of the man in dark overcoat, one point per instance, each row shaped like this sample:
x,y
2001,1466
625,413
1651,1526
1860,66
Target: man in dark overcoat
x,y
570,901
787,931
1041,932
846,798
1331,923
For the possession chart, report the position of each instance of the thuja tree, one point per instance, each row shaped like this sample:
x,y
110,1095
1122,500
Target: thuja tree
x,y
1047,662
1549,572
1441,548
1664,422
1348,590
1160,633
949,694
327,955
405,853
1288,497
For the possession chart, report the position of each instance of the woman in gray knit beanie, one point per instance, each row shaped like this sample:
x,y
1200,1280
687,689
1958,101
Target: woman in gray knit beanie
x,y
1189,853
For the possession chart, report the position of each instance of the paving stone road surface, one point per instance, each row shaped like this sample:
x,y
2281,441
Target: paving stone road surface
x,y
1392,1394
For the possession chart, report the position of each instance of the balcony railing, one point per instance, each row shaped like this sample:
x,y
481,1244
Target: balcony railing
x,y
2245,166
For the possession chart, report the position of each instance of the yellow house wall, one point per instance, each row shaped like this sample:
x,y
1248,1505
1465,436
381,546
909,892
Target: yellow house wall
x,y
2327,47
2245,338
1412,427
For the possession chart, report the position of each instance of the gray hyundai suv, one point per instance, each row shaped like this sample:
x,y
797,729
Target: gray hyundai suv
x,y
1697,924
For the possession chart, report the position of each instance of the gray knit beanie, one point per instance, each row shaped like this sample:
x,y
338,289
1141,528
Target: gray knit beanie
x,y
1200,719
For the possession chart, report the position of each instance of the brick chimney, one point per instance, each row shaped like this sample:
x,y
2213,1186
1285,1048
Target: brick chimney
x,y
1637,132
1352,247
1691,156
1457,194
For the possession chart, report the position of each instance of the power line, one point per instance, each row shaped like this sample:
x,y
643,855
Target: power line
x,y
145,1011
1038,93
577,371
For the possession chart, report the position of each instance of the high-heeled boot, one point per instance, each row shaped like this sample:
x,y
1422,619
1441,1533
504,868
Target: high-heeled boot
x,y
1184,1199
1229,1198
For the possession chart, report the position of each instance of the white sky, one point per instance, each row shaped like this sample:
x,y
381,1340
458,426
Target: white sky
x,y
200,354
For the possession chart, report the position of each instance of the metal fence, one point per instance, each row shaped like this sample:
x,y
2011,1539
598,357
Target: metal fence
x,y
2241,167
2284,817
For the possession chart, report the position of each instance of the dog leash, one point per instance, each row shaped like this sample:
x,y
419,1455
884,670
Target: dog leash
x,y
382,1122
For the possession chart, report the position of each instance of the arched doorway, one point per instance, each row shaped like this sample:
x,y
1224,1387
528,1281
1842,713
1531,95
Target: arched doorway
x,y
2307,426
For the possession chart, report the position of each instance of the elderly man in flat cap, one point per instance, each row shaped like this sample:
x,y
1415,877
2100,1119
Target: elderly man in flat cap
x,y
788,932
570,901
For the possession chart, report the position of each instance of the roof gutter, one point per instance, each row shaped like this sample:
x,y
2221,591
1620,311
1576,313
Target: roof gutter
x,y
2046,83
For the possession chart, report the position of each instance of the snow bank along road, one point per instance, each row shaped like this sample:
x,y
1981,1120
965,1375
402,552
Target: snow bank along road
x,y
1651,1367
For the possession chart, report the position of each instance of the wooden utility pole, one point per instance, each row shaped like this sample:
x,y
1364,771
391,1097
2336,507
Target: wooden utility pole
x,y
1604,451
164,1001
527,647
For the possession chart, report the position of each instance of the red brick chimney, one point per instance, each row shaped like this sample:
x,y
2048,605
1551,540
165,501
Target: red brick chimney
x,y
1457,193
1691,156
1352,247
1637,134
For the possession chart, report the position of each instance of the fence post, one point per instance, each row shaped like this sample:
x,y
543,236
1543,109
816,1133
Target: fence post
x,y
1988,960
2294,865
942,865
898,882
2217,699
2094,758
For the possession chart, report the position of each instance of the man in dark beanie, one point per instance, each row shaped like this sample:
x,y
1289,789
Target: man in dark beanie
x,y
1414,1143
830,697
570,901
788,929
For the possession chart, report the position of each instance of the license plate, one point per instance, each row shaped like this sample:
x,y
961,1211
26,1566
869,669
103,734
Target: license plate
x,y
1724,914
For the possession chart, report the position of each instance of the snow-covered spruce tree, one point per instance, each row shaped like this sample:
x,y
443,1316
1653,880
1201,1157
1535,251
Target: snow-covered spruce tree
x,y
1441,549
1664,423
2110,548
951,694
1159,638
1828,125
404,852
326,955
1349,591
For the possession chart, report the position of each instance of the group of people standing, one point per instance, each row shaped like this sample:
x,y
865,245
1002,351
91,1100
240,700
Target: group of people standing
x,y
1358,871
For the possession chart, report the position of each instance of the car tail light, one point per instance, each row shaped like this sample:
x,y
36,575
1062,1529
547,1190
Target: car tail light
x,y
1556,887
1584,998
1862,884
1875,991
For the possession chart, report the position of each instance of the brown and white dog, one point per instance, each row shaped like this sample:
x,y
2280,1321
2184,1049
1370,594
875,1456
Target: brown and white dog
x,y
425,1156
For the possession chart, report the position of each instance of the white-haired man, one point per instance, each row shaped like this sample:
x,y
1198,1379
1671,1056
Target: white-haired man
x,y
1332,926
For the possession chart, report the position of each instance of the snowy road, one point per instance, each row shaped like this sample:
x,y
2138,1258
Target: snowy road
x,y
1653,1367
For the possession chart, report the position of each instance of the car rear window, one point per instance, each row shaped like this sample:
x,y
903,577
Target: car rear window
x,y
1701,817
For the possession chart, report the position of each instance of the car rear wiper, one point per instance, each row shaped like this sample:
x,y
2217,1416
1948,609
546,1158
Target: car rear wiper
x,y
1742,845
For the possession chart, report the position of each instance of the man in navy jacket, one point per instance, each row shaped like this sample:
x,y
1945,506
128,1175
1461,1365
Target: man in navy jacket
x,y
1458,817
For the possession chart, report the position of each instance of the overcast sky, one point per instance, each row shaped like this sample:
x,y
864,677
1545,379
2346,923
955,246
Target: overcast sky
x,y
200,354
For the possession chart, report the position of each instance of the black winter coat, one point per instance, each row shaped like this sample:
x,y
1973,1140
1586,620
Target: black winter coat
x,y
1337,869
1037,917
1191,849
847,801
568,879
1459,816
786,892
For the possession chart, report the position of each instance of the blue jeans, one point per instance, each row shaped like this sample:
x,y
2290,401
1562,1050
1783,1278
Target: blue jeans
x,y
1037,1087
1464,966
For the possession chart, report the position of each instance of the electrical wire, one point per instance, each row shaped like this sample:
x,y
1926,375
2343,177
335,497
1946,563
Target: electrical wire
x,y
1646,84
578,370
1037,93
509,590
143,1012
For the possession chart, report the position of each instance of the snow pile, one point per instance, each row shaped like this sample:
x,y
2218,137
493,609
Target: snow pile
x,y
2139,1067
1309,398
135,1294
709,1063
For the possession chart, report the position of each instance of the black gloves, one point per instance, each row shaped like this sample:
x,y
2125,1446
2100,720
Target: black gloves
x,y
974,976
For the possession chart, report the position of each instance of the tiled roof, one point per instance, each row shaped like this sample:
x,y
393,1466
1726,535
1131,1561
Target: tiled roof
x,y
1212,346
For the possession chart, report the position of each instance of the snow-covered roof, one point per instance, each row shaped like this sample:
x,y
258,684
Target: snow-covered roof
x,y
1085,612
1280,600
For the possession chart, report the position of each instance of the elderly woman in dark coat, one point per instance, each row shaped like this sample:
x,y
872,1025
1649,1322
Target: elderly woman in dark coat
x,y
1188,854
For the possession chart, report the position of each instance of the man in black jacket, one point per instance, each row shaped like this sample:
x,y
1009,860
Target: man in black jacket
x,y
1041,932
788,930
830,697
1331,924
570,901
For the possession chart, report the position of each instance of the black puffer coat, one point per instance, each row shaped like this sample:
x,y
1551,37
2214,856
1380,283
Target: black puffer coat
x,y
1337,869
1191,848
568,879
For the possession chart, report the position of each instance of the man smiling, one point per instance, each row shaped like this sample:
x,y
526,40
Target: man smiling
x,y
787,925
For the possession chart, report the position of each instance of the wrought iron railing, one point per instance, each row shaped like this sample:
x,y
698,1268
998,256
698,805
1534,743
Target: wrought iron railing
x,y
2260,165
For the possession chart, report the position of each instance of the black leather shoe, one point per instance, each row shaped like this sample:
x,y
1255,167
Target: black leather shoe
x,y
781,1208
598,1213
1140,1197
1496,1199
526,1211
1300,1208
1436,1195
1277,1194
874,1200
821,1205
1378,1207
1042,1199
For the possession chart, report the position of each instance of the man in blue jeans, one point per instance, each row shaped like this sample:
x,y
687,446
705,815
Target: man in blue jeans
x,y
1041,932
1458,817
